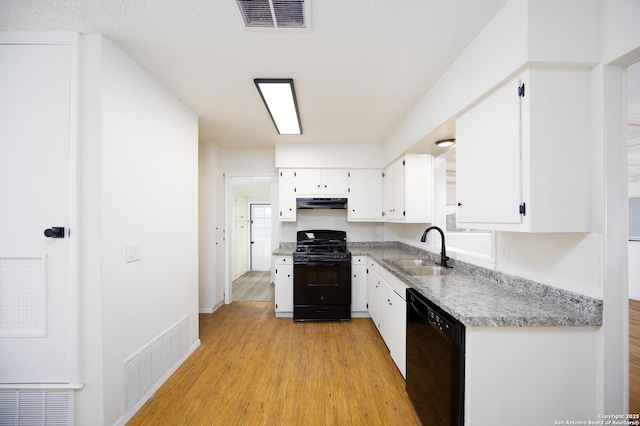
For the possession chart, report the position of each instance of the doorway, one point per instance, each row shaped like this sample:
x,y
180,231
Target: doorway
x,y
250,240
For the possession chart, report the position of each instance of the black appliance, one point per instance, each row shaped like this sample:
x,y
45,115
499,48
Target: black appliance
x,y
321,203
321,276
435,362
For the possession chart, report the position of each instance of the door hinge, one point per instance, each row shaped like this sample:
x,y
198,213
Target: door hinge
x,y
280,173
404,213
276,270
523,209
349,190
521,90
367,306
383,175
348,174
367,270
403,162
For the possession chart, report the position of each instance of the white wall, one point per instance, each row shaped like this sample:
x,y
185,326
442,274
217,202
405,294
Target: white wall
x,y
141,160
248,161
331,219
342,156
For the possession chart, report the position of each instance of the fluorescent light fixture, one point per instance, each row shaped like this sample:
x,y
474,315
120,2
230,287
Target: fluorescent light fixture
x,y
279,96
445,143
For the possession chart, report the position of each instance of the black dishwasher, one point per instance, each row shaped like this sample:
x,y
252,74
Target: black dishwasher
x,y
435,362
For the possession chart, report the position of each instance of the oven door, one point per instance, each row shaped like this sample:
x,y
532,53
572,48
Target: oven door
x,y
322,291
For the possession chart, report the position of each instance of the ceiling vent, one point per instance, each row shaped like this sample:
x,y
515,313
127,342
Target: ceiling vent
x,y
274,13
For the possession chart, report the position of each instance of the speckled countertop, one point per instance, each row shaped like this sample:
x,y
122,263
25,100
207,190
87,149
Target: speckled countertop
x,y
479,297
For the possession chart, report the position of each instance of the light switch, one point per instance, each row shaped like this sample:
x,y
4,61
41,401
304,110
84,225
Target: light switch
x,y
133,252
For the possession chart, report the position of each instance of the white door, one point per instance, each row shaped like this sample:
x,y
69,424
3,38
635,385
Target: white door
x,y
260,237
36,277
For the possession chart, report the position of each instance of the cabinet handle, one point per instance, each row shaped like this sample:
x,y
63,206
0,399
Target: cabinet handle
x,y
459,204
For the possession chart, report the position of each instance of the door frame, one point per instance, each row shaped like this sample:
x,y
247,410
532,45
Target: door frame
x,y
71,40
228,223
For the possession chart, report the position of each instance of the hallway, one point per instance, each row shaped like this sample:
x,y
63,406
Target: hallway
x,y
254,286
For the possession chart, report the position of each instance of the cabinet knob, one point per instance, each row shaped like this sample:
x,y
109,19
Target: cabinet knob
x,y
459,204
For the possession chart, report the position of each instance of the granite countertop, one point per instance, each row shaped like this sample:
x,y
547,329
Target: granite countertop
x,y
479,297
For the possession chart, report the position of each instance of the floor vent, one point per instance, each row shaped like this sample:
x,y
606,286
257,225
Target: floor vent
x,y
275,13
35,407
151,363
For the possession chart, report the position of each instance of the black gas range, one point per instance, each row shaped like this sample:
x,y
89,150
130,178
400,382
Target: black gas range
x,y
321,276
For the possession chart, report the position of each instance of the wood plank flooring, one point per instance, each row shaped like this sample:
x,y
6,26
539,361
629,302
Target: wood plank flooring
x,y
634,356
255,369
255,286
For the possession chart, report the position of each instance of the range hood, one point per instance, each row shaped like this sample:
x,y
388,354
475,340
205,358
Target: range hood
x,y
321,203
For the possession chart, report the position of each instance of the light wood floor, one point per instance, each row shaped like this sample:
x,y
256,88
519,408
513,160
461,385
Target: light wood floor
x,y
255,286
255,369
634,356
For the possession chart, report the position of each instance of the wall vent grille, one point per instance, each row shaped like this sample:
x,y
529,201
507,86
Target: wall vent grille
x,y
35,407
274,13
147,367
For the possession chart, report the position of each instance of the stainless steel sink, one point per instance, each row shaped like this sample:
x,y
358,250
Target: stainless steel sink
x,y
421,267
427,270
402,263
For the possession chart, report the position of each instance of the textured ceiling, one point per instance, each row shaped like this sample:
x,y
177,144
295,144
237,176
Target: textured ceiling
x,y
358,71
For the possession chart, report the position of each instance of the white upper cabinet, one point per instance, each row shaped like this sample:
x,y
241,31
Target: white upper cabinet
x,y
523,155
287,195
362,187
407,189
365,195
322,182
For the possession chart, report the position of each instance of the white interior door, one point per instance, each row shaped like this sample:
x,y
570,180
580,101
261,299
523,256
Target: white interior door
x,y
260,237
36,131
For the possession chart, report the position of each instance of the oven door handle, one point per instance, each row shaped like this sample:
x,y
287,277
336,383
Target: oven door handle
x,y
341,264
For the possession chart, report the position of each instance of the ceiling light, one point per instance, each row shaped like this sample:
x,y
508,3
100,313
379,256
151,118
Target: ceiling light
x,y
445,143
279,96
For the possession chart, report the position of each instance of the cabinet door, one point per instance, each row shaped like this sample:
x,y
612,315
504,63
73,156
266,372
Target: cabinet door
x,y
365,195
308,182
398,190
359,284
387,193
373,286
488,159
287,195
284,288
398,330
335,183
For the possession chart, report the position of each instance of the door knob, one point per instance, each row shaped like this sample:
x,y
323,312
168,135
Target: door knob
x,y
54,232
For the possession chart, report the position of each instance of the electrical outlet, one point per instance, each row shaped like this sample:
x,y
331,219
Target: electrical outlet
x,y
133,252
504,250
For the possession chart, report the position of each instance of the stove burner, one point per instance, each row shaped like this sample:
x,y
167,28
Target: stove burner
x,y
321,246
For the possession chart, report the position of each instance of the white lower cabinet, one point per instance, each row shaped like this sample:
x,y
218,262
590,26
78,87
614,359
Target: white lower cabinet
x,y
358,285
393,311
387,306
373,289
284,286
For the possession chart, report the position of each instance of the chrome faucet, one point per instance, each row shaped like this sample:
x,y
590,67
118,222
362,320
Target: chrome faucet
x,y
443,253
